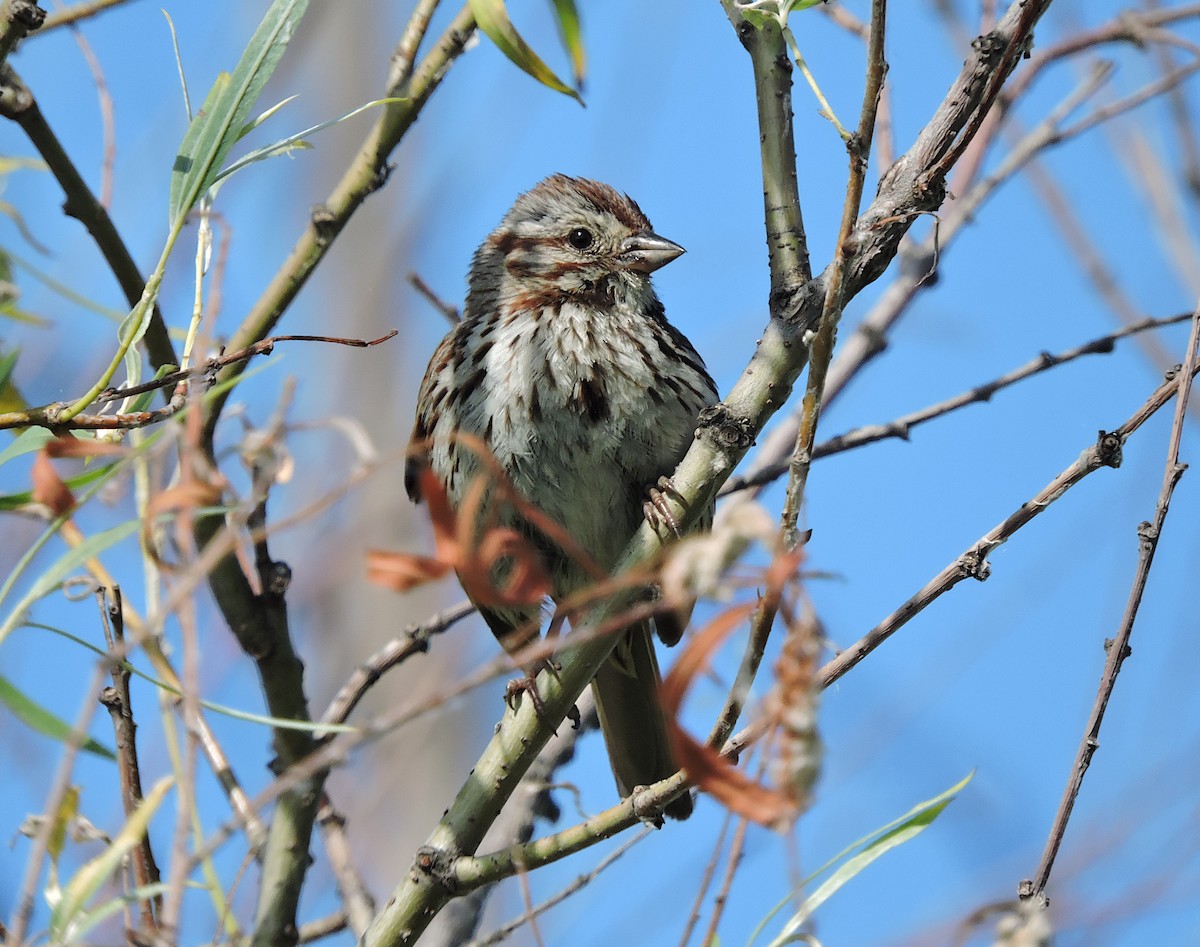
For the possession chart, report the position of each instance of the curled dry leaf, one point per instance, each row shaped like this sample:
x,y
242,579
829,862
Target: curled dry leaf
x,y
524,580
185,496
706,767
49,489
48,486
401,571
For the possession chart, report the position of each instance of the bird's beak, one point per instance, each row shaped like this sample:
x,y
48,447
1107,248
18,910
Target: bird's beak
x,y
646,252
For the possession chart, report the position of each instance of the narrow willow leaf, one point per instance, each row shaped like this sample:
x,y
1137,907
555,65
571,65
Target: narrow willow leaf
x,y
253,124
67,563
187,99
85,921
90,877
38,718
492,18
30,440
572,36
296,141
227,107
275,723
871,847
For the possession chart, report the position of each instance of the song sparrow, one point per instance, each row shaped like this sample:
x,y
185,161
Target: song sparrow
x,y
565,366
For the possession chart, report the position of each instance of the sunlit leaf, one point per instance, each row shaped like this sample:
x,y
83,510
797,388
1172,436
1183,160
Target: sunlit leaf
x,y
226,110
492,19
865,850
88,880
295,142
567,15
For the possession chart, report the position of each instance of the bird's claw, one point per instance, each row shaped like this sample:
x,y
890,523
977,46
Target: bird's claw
x,y
528,685
658,510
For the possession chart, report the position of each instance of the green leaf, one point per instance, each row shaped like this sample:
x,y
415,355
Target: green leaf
x,y
572,37
67,563
871,847
492,18
95,873
38,718
227,108
89,919
30,440
296,141
275,723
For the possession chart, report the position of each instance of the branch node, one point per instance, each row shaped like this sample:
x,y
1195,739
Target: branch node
x,y
974,564
1108,449
726,430
438,864
325,224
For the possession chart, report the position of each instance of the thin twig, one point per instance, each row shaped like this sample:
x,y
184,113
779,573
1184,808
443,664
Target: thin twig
x,y
1117,648
120,708
710,871
1106,452
81,11
107,122
414,640
367,172
736,848
821,350
18,18
450,312
902,427
46,415
405,53
358,903
502,932
327,926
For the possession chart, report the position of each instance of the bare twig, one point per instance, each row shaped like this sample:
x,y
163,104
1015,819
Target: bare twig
x,y
107,122
902,427
503,932
81,11
327,926
120,708
1106,452
821,350
450,312
359,905
414,640
1117,648
710,871
736,847
47,415
367,172
405,53
18,18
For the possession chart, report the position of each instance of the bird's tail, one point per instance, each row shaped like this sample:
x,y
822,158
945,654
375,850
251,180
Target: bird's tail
x,y
632,717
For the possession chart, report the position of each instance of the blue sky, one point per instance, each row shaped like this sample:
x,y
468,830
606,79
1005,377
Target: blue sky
x,y
996,678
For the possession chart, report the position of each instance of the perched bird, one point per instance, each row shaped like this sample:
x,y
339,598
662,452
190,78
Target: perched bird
x,y
565,366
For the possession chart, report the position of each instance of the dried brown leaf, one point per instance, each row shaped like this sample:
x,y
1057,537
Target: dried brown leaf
x,y
708,770
48,487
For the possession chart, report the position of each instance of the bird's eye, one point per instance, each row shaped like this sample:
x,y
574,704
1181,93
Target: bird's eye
x,y
580,238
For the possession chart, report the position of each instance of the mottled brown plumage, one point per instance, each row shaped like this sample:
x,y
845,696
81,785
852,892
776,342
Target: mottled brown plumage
x,y
565,366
